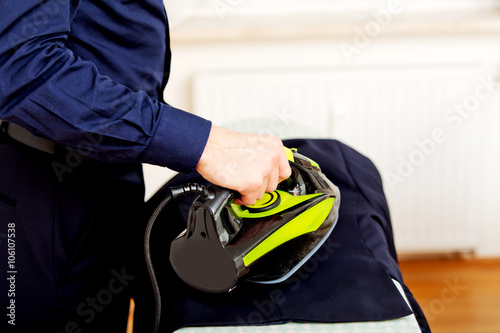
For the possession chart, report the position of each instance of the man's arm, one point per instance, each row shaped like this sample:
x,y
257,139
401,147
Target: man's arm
x,y
50,91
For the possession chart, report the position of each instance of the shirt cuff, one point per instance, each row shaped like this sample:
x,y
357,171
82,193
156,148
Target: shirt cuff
x,y
179,140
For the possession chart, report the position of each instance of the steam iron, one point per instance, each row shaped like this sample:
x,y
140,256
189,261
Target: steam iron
x,y
263,243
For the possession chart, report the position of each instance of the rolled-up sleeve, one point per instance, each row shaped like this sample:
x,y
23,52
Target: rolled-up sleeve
x,y
46,88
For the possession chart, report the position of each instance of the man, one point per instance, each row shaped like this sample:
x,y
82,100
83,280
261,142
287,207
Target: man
x,y
81,108
81,87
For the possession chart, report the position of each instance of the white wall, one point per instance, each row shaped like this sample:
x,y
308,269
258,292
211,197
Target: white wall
x,y
204,41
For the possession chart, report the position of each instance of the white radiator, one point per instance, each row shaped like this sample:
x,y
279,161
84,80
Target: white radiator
x,y
404,118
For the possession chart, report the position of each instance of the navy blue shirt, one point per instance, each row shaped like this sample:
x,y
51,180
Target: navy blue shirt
x,y
74,70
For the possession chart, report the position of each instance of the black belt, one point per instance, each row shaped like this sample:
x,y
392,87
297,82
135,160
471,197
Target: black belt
x,y
24,136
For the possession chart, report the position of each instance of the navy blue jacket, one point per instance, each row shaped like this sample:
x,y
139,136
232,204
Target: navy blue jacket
x,y
70,70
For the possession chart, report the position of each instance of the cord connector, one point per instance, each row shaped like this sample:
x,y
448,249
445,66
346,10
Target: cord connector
x,y
189,189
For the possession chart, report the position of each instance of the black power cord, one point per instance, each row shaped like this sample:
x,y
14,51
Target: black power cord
x,y
174,193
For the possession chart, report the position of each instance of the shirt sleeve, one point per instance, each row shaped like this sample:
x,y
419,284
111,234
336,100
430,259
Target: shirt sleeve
x,y
50,91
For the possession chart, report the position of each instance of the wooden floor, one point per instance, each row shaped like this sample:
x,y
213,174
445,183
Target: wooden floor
x,y
457,295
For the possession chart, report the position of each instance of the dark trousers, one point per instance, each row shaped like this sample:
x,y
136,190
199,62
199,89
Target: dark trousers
x,y
70,238
347,280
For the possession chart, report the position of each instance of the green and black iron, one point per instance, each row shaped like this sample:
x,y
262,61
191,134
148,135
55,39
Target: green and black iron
x,y
263,243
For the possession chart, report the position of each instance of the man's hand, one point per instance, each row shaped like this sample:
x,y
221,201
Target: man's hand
x,y
250,164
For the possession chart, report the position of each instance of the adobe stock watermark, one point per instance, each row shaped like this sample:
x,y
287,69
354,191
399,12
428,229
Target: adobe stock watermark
x,y
222,7
449,294
88,310
11,269
453,119
266,308
75,157
33,24
90,144
373,28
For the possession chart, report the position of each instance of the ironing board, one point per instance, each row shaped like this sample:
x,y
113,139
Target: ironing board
x,y
406,324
